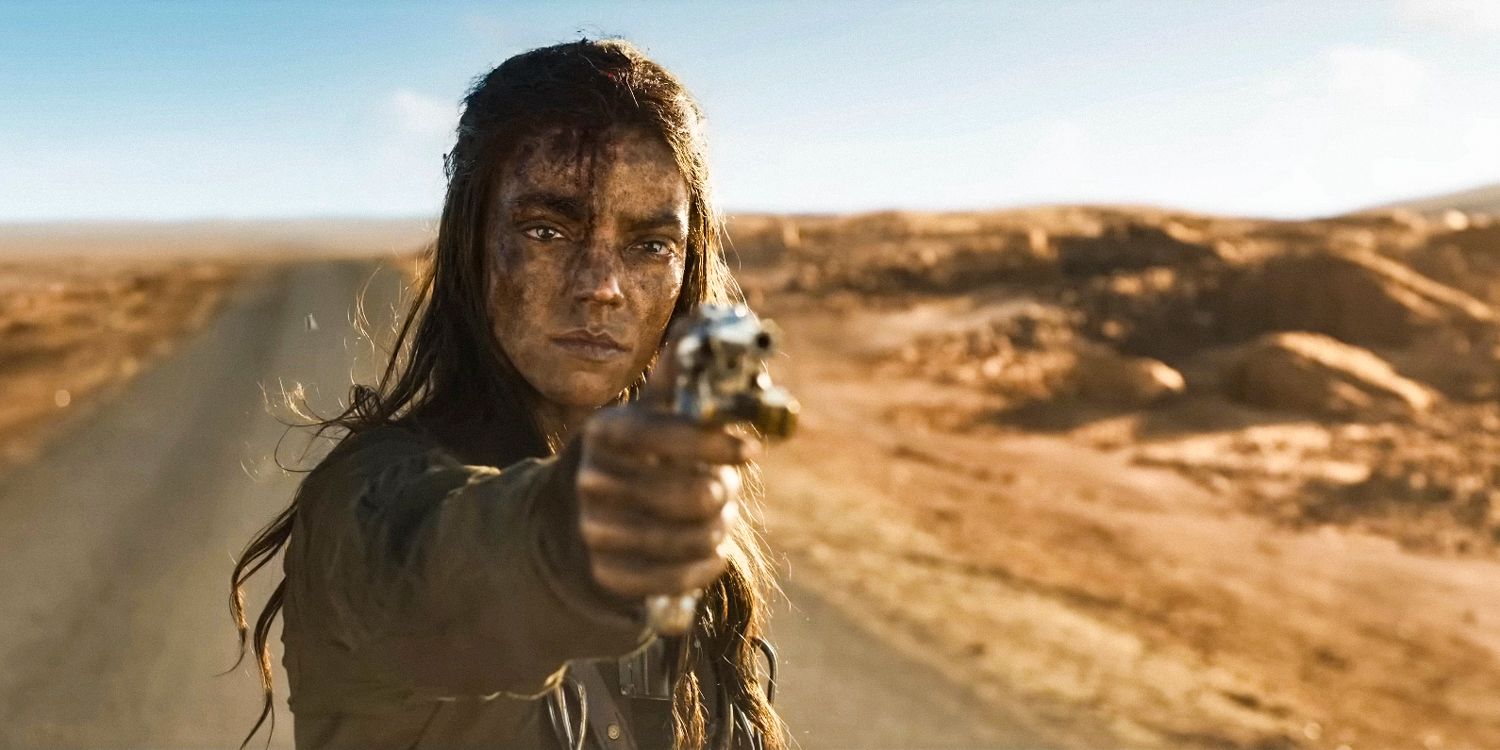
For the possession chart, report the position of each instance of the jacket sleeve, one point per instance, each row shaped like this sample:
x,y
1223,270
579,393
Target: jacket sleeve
x,y
458,580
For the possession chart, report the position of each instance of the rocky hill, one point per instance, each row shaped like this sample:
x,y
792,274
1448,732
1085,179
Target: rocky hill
x,y
1483,200
1195,342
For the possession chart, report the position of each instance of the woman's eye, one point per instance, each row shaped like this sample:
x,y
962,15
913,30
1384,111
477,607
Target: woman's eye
x,y
543,234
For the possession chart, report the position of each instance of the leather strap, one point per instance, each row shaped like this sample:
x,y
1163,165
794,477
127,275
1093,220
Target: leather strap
x,y
649,672
609,727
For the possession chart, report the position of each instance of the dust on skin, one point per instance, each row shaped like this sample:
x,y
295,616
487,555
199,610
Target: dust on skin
x,y
591,237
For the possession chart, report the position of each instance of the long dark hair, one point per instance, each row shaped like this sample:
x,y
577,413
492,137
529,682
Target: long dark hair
x,y
445,352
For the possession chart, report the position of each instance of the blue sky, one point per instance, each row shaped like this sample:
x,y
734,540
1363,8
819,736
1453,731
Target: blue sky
x,y
116,110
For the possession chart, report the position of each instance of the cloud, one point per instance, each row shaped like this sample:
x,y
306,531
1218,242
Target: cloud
x,y
421,114
1462,16
1384,77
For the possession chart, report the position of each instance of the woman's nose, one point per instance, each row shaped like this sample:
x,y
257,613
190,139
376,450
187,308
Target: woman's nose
x,y
600,285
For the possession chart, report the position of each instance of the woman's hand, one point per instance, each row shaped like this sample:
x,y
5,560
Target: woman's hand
x,y
658,496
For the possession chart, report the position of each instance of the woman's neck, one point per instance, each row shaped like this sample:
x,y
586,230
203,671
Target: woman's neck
x,y
557,421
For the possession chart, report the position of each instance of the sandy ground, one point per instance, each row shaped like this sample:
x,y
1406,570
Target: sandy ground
x,y
1102,603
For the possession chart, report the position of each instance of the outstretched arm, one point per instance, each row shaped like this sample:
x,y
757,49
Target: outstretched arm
x,y
462,580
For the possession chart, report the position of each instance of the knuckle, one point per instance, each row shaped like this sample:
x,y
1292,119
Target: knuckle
x,y
731,478
707,539
724,493
730,513
617,581
604,575
704,499
593,480
593,533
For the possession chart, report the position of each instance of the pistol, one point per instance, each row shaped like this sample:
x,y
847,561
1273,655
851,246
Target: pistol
x,y
721,378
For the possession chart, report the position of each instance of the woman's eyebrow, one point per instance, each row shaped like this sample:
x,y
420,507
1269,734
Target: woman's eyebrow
x,y
565,206
668,219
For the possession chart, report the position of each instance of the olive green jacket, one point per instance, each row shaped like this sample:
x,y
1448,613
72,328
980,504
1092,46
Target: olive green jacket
x,y
430,604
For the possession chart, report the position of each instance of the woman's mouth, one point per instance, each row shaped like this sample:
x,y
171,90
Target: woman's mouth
x,y
594,347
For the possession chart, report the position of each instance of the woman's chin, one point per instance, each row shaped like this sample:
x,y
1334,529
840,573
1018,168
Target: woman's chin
x,y
587,393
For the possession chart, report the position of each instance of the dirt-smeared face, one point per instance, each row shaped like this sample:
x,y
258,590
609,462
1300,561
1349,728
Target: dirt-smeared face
x,y
588,247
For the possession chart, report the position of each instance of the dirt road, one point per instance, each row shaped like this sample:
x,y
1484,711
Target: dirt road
x,y
117,545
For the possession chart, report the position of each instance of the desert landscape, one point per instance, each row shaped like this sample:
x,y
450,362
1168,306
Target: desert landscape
x,y
72,332
1150,479
1129,477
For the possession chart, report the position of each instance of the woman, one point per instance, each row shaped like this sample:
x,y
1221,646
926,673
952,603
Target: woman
x,y
472,556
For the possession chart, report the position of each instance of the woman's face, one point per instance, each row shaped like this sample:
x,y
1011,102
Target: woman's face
x,y
588,248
